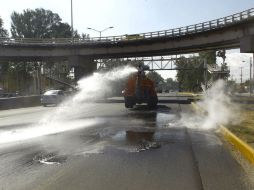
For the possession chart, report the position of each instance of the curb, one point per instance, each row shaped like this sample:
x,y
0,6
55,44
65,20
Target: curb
x,y
186,93
246,150
241,146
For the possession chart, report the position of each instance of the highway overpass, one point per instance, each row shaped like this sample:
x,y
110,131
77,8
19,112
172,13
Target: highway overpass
x,y
233,31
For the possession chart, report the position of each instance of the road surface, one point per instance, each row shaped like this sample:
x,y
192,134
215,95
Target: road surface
x,y
106,146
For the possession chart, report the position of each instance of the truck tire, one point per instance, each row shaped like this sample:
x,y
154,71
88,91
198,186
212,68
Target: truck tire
x,y
152,102
129,102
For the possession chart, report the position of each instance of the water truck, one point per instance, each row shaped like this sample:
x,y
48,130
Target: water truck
x,y
140,89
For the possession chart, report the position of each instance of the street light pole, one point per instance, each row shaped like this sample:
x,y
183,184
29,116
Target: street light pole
x,y
250,75
72,31
253,68
100,31
241,75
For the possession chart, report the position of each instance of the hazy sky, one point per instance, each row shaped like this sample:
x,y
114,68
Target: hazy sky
x,y
134,16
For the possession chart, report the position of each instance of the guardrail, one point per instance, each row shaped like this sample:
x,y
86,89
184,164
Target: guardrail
x,y
176,32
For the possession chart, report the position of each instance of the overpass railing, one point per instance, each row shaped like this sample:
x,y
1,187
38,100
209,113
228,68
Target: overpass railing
x,y
171,33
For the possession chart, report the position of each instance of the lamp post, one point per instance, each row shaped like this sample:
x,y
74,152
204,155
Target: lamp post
x,y
72,31
100,31
250,75
242,72
241,75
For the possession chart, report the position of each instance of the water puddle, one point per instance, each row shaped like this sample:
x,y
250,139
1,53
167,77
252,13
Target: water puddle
x,y
146,145
133,141
49,158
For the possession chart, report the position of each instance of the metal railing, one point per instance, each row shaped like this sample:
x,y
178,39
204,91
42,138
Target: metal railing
x,y
171,33
155,62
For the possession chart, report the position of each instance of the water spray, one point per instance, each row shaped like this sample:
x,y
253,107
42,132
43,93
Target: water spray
x,y
64,118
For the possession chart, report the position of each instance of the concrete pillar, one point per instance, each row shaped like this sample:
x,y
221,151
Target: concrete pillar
x,y
247,44
83,66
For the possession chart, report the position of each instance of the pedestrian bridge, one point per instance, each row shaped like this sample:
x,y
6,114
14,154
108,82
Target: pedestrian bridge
x,y
234,31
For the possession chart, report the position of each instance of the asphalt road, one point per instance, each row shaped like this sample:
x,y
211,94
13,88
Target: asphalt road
x,y
105,146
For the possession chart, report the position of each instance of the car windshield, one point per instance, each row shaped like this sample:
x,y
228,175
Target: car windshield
x,y
51,92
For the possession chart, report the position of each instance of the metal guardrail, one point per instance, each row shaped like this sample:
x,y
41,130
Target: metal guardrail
x,y
171,33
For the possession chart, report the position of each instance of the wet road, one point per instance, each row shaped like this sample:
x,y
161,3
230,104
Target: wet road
x,y
106,146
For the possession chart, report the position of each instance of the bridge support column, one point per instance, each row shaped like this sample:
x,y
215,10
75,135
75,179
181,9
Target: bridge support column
x,y
247,44
83,66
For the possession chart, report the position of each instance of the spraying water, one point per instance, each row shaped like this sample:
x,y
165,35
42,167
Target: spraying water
x,y
64,118
218,109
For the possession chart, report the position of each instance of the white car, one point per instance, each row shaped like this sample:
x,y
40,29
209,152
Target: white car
x,y
52,97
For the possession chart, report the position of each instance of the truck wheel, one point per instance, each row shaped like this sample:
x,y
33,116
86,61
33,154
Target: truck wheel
x,y
128,102
152,102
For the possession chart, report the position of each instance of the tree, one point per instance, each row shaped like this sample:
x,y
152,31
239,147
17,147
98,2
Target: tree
x,y
38,23
170,84
3,66
209,55
190,73
155,77
3,32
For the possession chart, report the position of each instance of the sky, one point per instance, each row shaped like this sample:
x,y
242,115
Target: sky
x,y
137,16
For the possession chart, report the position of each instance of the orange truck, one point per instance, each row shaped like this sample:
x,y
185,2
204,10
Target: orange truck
x,y
140,89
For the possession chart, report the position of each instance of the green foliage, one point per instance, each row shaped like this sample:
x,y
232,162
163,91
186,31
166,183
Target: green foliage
x,y
3,66
191,73
3,32
16,76
209,55
155,77
38,23
170,84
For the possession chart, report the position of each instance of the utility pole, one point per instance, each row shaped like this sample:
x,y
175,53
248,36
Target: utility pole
x,y
250,75
72,30
205,73
241,77
253,68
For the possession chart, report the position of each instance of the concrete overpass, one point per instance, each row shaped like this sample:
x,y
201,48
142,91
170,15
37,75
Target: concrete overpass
x,y
232,31
228,32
